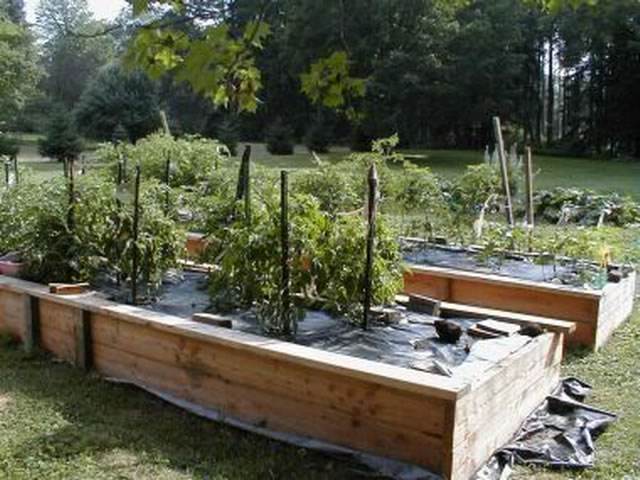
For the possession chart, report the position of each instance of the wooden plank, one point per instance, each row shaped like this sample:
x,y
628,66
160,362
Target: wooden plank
x,y
449,310
414,270
273,411
389,375
509,392
68,289
373,401
12,314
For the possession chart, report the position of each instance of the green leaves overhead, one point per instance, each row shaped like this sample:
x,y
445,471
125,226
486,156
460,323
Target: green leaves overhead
x,y
328,83
218,64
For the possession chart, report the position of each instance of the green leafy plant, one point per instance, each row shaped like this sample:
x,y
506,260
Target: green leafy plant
x,y
193,159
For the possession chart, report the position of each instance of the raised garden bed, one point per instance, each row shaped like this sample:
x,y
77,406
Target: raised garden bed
x,y
597,312
448,425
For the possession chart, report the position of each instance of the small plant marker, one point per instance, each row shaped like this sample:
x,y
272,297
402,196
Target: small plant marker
x,y
529,186
503,169
284,238
136,221
371,239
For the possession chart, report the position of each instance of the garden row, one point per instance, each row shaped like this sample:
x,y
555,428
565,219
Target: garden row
x,y
276,245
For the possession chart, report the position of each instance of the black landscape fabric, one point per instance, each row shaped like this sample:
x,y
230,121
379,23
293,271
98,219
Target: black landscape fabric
x,y
559,434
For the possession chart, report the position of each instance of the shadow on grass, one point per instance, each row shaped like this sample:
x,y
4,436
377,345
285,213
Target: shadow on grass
x,y
60,415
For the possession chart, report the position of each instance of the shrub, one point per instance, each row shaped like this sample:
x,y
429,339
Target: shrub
x,y
118,98
8,146
318,137
474,187
279,139
61,140
193,159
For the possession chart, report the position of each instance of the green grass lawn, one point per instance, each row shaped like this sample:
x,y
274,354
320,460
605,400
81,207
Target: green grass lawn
x,y
605,175
56,422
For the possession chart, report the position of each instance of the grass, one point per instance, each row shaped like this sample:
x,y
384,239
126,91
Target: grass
x,y
604,175
56,422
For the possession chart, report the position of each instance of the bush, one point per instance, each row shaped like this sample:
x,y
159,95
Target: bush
x,y
62,141
279,139
193,159
318,137
472,190
8,146
118,98
34,222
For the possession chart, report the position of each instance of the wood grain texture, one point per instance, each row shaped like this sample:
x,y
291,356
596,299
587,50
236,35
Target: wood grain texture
x,y
595,314
420,418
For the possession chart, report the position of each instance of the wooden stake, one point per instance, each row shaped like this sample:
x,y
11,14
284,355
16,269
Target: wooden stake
x,y
15,170
246,161
503,169
529,186
246,156
284,239
119,208
71,211
136,224
6,173
371,239
167,180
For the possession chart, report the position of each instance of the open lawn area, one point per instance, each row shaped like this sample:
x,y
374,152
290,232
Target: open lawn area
x,y
605,175
55,422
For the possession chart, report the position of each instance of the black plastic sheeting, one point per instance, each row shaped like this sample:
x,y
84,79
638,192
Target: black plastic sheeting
x,y
559,434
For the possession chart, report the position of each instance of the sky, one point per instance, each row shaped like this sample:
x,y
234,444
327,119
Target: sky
x,y
102,9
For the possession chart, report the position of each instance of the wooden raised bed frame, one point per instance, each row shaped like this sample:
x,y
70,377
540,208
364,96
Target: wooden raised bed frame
x,y
596,313
448,426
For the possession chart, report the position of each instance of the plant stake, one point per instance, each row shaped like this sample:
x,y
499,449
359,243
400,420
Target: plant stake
x,y
529,186
6,173
503,169
70,212
136,221
167,179
246,163
15,168
371,239
284,238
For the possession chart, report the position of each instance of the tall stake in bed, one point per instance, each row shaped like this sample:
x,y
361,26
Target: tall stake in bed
x,y
167,180
72,194
136,222
6,173
119,207
529,186
284,238
246,164
503,169
15,170
371,240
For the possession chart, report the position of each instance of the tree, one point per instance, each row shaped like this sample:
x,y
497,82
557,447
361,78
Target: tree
x,y
19,72
14,9
115,98
61,139
71,51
